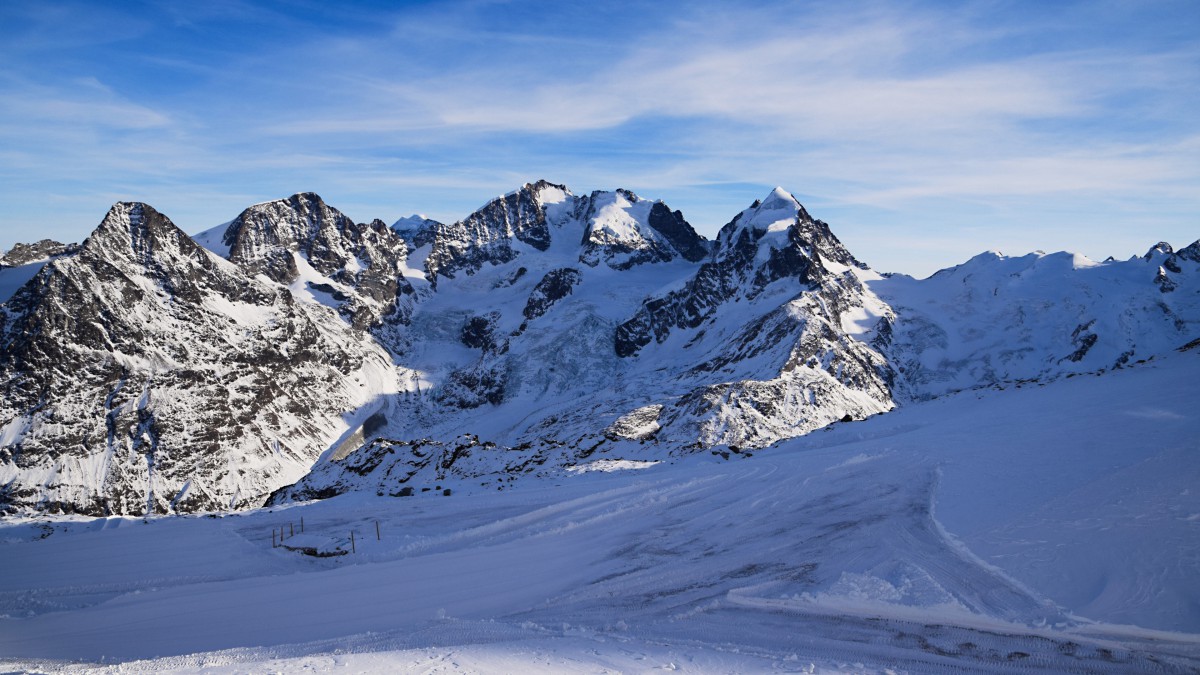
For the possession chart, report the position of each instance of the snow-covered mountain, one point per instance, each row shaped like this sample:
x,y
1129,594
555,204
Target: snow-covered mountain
x,y
543,332
611,329
142,374
997,319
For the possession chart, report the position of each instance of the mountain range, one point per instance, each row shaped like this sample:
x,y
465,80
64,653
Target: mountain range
x,y
292,353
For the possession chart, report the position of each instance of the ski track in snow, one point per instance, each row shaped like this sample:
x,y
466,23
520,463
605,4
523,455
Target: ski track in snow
x,y
820,554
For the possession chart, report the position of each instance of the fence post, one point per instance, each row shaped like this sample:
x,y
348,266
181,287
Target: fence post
x,y
352,548
292,530
273,545
301,524
377,531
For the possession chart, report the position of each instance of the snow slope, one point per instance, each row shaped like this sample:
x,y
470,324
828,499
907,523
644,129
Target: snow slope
x,y
1001,319
989,531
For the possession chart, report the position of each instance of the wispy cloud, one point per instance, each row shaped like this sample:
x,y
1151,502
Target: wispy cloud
x,y
83,102
972,115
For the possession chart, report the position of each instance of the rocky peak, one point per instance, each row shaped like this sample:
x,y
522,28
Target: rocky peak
x,y
773,240
1160,249
623,230
489,234
24,254
319,251
779,223
1190,252
145,373
262,237
547,193
416,230
617,231
136,231
135,239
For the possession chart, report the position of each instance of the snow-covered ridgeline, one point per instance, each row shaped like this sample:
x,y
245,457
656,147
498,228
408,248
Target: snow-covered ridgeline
x,y
542,332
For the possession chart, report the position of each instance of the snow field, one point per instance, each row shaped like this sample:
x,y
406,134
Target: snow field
x,y
944,536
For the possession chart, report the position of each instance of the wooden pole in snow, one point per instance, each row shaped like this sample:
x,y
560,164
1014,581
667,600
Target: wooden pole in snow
x,y
273,545
292,530
352,548
301,524
377,531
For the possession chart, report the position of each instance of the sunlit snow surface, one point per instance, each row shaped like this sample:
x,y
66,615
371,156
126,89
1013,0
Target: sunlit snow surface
x,y
1019,529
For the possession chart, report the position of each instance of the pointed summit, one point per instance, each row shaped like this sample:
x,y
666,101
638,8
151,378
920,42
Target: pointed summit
x,y
303,242
137,229
1161,248
775,213
780,198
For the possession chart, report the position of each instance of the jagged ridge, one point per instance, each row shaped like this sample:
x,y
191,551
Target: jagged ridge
x,y
144,373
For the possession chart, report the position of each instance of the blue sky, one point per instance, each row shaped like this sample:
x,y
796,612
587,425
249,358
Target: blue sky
x,y
923,132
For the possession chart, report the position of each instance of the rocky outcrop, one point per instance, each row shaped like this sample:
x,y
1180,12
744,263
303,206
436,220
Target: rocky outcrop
x,y
556,285
24,254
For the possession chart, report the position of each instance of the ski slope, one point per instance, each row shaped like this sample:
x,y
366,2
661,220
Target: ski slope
x,y
1029,528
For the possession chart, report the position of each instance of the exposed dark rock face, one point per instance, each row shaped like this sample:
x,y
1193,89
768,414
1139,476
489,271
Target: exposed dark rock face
x,y
1190,252
749,256
23,254
361,260
1084,339
145,375
482,332
555,286
671,225
474,387
487,236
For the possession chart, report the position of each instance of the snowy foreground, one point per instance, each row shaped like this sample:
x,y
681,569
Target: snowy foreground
x,y
1052,528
